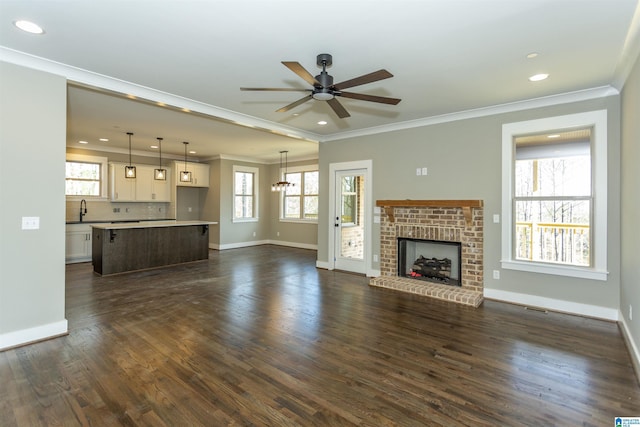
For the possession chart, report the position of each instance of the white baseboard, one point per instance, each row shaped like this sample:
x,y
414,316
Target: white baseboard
x,y
631,344
553,304
294,244
373,273
237,245
323,265
38,333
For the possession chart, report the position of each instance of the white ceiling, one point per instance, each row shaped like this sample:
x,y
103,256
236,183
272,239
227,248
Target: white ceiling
x,y
446,56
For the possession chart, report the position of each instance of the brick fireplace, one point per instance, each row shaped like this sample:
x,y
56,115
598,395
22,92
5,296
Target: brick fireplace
x,y
436,220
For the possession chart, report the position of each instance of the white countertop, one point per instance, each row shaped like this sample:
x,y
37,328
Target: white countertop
x,y
150,224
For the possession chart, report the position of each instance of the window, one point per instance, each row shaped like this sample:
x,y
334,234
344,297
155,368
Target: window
x,y
552,201
85,176
245,195
350,200
554,205
300,201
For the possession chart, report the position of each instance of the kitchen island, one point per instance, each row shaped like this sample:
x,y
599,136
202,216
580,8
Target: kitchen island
x,y
129,246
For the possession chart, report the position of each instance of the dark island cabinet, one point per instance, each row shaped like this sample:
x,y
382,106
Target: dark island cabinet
x,y
116,250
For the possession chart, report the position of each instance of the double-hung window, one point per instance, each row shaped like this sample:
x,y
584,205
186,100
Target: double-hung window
x,y
245,193
300,201
85,176
554,195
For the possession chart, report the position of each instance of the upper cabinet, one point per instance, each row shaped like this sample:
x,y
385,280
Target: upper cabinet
x,y
142,188
199,174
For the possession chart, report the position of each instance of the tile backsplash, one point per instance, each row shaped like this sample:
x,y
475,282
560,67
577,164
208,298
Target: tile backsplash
x,y
105,210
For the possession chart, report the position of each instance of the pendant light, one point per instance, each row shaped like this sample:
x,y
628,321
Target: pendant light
x,y
160,174
282,185
130,171
185,175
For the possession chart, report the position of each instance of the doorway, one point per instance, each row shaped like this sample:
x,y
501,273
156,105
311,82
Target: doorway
x,y
350,221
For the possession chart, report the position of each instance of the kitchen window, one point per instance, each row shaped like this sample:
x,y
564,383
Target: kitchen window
x,y
554,195
300,201
245,195
85,176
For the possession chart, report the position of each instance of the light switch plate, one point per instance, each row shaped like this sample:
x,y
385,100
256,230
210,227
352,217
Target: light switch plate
x,y
30,222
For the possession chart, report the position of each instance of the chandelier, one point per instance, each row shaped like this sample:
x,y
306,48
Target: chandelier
x,y
282,185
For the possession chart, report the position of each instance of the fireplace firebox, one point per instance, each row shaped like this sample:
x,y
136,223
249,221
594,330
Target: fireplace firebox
x,y
430,260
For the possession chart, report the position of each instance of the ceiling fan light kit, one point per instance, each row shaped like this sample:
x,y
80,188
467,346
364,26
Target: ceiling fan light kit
x,y
325,90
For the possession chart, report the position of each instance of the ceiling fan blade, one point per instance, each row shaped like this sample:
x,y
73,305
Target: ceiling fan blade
x,y
300,71
367,78
294,104
371,98
275,89
338,108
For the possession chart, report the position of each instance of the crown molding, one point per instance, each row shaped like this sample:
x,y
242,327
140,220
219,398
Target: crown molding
x,y
630,52
100,82
547,101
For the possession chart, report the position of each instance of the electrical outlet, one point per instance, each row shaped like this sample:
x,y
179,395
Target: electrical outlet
x,y
278,233
189,209
496,218
496,274
254,234
630,312
424,171
375,257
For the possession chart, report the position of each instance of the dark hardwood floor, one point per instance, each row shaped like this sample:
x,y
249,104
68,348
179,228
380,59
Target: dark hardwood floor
x,y
260,337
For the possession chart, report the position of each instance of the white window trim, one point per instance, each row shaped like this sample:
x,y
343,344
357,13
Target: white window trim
x,y
305,168
256,193
104,174
596,119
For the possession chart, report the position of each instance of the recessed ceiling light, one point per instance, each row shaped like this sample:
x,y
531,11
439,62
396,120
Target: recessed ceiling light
x,y
192,152
29,27
295,114
104,139
538,77
153,146
532,55
82,142
555,135
322,122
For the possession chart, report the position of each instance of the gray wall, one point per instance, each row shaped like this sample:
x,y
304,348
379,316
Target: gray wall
x,y
464,162
32,156
630,201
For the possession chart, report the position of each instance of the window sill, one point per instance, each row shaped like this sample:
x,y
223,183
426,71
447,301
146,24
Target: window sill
x,y
299,221
244,220
569,271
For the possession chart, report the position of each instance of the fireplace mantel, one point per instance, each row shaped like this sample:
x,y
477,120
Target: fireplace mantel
x,y
466,206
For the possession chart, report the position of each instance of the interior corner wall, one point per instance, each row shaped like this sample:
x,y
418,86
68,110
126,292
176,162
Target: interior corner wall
x,y
630,206
463,159
285,233
211,205
32,157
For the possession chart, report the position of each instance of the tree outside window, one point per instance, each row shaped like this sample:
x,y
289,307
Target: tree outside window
x,y
552,200
245,197
300,201
83,178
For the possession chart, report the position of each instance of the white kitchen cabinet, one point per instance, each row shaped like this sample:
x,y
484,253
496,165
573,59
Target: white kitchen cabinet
x,y
78,243
122,189
142,188
199,174
149,189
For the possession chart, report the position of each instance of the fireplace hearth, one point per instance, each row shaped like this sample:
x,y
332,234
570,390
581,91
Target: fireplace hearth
x,y
456,225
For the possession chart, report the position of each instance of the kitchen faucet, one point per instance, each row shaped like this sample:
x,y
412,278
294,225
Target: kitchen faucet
x,y
83,202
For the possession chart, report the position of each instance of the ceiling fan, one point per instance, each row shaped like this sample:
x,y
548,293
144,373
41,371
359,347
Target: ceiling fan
x,y
325,90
